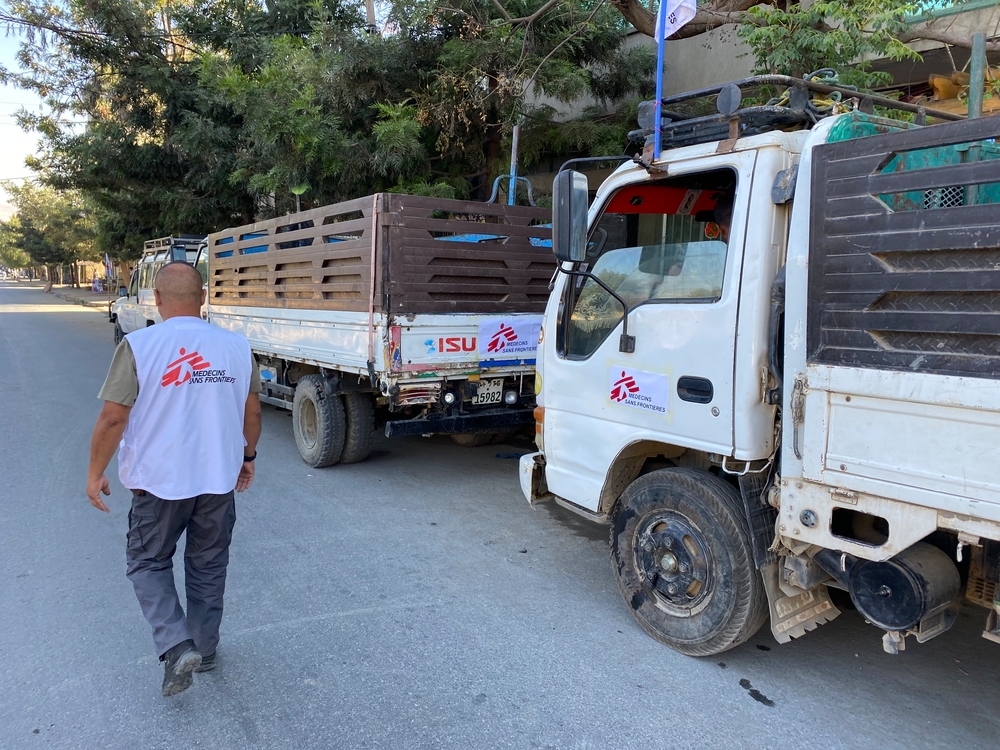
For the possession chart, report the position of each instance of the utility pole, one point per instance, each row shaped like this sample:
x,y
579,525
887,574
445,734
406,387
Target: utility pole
x,y
977,82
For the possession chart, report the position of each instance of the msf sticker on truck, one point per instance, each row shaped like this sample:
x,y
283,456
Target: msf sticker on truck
x,y
508,338
639,389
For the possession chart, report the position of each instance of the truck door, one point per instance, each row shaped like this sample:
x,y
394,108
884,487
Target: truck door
x,y
127,316
672,248
146,307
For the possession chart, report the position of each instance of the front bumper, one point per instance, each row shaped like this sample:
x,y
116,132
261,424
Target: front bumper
x,y
485,420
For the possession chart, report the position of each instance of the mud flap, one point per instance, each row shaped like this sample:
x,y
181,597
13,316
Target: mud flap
x,y
532,475
794,616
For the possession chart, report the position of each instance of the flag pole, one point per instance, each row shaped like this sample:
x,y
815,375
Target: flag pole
x,y
661,24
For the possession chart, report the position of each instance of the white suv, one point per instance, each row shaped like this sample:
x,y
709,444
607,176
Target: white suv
x,y
135,308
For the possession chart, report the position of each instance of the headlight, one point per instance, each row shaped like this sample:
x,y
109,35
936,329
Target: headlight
x,y
510,398
449,398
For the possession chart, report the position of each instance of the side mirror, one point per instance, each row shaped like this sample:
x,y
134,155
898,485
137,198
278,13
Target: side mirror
x,y
569,216
123,291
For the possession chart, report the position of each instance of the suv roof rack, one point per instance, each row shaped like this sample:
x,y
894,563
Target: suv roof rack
x,y
686,118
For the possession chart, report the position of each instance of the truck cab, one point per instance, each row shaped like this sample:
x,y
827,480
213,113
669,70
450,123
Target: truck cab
x,y
135,307
746,358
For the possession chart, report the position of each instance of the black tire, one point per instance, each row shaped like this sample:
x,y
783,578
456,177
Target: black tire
x,y
680,546
472,439
119,334
360,410
318,422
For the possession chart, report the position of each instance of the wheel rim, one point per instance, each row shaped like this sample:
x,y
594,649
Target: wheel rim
x,y
308,427
674,562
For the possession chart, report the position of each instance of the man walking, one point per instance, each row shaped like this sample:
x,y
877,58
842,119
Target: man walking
x,y
181,399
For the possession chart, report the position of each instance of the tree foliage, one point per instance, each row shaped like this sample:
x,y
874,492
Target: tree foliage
x,y
11,253
828,34
193,115
51,227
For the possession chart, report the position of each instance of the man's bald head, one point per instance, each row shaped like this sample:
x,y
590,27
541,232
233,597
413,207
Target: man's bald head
x,y
178,289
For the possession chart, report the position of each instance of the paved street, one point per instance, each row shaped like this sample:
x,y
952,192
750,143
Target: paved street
x,y
410,601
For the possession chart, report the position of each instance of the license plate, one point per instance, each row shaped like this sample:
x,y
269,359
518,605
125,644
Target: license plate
x,y
490,392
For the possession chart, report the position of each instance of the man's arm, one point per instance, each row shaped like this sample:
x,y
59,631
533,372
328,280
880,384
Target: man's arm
x,y
251,433
104,442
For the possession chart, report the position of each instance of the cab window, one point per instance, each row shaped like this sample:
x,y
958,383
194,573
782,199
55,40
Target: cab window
x,y
133,285
660,242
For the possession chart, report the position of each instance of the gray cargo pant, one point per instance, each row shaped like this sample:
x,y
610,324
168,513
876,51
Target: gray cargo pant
x,y
154,526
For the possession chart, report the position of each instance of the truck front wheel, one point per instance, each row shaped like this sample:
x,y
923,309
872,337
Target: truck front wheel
x,y
318,422
680,546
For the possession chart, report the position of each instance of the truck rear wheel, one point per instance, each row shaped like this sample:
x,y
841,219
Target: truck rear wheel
x,y
360,412
318,422
680,546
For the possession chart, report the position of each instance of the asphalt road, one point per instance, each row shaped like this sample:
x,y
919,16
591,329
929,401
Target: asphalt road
x,y
410,601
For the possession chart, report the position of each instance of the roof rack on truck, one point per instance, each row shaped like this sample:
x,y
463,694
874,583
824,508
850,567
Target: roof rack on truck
x,y
174,247
757,105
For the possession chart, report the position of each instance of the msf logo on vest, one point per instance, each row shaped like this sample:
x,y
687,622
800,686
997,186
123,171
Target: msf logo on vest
x,y
182,370
501,338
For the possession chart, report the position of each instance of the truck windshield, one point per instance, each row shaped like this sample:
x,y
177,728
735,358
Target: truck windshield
x,y
662,242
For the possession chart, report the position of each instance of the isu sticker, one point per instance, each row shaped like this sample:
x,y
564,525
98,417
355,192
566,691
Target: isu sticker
x,y
508,338
450,344
639,389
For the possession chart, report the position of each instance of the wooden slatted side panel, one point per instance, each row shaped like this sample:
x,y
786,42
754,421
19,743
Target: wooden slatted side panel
x,y
316,259
904,263
460,256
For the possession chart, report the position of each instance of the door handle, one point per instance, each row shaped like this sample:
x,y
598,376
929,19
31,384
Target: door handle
x,y
695,390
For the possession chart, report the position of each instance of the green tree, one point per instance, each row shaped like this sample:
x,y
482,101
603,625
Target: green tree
x,y
118,83
204,113
426,108
53,228
11,253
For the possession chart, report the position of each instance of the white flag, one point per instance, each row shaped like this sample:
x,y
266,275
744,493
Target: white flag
x,y
672,15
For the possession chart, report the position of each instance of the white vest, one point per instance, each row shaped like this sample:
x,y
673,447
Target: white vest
x,y
185,431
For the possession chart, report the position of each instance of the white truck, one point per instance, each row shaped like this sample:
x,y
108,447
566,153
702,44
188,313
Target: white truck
x,y
428,308
807,393
135,308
